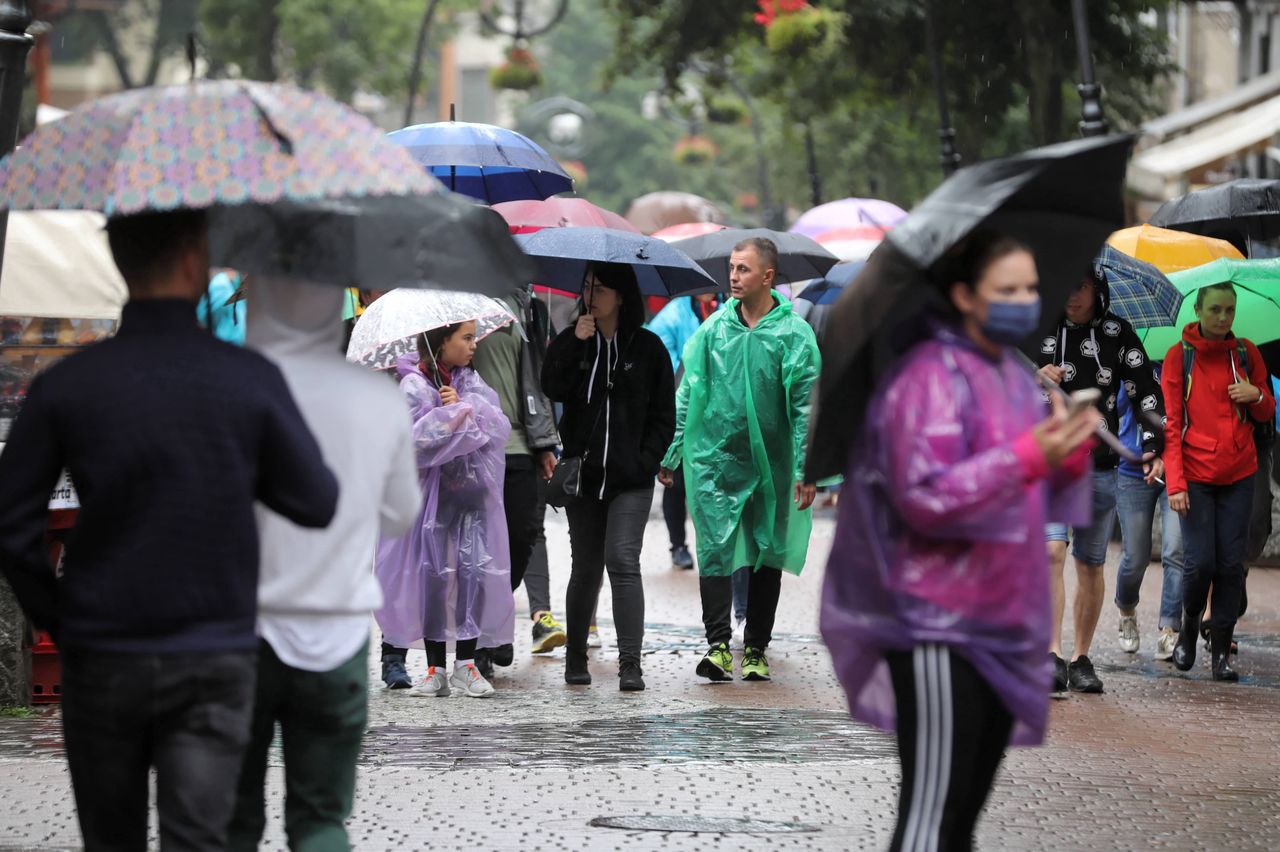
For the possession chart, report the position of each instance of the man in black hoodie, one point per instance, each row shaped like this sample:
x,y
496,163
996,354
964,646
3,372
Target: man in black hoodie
x,y
1094,348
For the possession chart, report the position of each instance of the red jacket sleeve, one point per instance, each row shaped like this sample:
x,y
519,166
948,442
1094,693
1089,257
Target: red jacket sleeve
x,y
1265,408
1175,417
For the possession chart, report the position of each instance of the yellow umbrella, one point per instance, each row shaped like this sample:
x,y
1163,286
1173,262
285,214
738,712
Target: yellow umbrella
x,y
1171,251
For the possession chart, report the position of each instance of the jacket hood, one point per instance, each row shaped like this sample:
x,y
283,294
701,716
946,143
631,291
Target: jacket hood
x,y
1191,335
288,317
1101,303
779,312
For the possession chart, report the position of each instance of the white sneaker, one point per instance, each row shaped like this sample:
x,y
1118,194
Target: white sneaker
x,y
471,682
740,633
593,638
434,685
1129,634
1166,643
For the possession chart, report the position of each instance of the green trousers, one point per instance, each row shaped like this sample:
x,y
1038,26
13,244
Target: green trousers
x,y
322,718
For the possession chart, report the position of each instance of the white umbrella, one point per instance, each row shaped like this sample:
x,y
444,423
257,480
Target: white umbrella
x,y
390,326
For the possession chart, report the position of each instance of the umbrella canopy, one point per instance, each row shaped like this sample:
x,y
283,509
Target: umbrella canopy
x,y
204,143
1171,251
848,213
489,163
850,244
1140,293
534,214
814,303
1257,284
799,257
1061,200
58,264
687,229
657,210
563,255
440,242
1240,211
390,326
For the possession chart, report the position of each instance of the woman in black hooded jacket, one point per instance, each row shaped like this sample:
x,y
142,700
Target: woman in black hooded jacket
x,y
614,380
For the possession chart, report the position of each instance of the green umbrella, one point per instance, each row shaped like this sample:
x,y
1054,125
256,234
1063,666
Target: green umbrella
x,y
1257,284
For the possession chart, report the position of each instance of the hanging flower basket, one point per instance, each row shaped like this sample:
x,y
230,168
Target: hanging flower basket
x,y
520,72
695,150
724,110
804,34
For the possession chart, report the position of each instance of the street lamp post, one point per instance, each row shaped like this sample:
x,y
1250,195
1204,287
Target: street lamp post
x,y
1092,122
15,661
949,157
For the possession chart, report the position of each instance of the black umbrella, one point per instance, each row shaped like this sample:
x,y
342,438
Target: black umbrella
x,y
439,241
1240,211
1062,201
799,257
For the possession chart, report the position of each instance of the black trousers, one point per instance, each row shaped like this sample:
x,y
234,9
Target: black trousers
x,y
952,733
187,715
464,649
674,511
1214,536
762,607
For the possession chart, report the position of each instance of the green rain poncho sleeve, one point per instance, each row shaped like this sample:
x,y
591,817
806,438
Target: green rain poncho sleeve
x,y
742,414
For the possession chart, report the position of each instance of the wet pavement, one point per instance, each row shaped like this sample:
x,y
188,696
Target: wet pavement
x,y
1162,760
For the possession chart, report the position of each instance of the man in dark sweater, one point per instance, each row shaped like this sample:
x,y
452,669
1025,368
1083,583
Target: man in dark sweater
x,y
169,436
1094,348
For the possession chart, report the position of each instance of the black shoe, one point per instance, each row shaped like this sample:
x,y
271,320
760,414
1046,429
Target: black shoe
x,y
393,672
1082,678
575,670
681,558
1220,656
484,663
629,677
1059,672
1184,653
503,655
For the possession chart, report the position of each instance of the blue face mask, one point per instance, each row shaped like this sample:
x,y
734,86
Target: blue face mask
x,y
1010,323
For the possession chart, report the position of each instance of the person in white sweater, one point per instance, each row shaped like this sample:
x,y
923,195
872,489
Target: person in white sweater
x,y
316,589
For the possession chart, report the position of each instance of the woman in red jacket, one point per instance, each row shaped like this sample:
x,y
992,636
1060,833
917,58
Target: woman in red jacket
x,y
1215,387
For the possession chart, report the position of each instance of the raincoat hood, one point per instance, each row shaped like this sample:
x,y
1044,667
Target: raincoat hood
x,y
1192,336
290,317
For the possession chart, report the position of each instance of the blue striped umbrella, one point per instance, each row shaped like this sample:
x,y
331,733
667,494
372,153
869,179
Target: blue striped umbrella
x,y
1140,293
488,163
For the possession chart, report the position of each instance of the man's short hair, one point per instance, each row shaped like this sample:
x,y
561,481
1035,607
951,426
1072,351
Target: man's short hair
x,y
145,245
765,248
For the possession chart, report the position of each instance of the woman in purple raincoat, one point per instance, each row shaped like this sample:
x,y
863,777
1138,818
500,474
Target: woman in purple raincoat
x,y
936,602
449,578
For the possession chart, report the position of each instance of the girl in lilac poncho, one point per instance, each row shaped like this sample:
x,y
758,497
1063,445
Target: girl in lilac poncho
x,y
936,599
449,577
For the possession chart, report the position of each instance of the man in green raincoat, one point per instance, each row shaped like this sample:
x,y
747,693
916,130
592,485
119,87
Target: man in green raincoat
x,y
742,414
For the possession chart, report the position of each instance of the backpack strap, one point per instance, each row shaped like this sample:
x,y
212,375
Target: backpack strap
x,y
1188,360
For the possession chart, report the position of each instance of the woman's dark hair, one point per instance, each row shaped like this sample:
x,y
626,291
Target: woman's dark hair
x,y
967,261
1203,291
430,343
622,278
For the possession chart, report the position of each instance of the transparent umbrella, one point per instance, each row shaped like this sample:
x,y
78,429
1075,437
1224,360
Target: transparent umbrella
x,y
390,326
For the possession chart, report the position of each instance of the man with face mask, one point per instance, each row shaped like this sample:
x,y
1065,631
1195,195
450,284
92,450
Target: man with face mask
x,y
742,416
1094,348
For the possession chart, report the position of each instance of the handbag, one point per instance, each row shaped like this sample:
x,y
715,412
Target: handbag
x,y
565,486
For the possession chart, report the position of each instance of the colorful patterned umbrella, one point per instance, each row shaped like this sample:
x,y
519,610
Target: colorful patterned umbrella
x,y
205,143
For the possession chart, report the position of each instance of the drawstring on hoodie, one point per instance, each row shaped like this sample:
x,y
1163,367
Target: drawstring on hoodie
x,y
1062,347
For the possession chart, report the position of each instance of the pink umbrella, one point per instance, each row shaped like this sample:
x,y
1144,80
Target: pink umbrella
x,y
533,215
685,230
849,244
848,213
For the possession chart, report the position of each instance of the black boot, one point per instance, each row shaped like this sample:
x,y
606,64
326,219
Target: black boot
x,y
575,668
1184,653
1221,655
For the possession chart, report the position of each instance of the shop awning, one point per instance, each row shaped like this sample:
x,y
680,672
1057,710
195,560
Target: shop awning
x,y
1152,170
57,264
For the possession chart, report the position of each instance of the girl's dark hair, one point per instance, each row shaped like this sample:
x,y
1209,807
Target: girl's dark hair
x,y
969,260
1221,285
622,278
430,343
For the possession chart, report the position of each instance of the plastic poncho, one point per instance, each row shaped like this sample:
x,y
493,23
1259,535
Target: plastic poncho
x,y
742,414
941,531
449,576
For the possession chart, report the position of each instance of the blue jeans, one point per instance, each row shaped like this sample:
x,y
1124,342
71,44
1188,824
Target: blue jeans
x,y
1136,503
1089,544
1213,533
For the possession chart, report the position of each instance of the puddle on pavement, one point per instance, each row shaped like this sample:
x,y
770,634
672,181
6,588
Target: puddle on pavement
x,y
722,735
